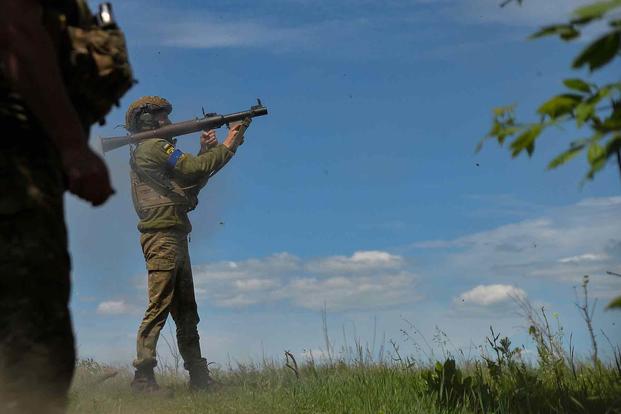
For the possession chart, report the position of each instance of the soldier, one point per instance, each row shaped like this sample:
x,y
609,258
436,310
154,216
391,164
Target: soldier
x,y
43,151
165,186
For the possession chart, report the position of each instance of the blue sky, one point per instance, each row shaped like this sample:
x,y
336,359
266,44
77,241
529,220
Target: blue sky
x,y
361,191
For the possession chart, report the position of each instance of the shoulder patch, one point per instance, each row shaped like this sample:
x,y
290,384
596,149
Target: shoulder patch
x,y
173,157
169,149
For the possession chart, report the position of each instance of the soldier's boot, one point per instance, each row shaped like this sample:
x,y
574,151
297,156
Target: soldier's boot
x,y
200,378
144,381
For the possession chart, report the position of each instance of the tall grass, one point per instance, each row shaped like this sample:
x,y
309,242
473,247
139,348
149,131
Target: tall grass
x,y
362,379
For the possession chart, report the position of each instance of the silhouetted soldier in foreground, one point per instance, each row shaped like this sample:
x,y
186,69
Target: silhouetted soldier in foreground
x,y
50,94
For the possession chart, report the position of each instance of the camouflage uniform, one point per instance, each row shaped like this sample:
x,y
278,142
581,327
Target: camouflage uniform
x,y
36,340
37,353
165,185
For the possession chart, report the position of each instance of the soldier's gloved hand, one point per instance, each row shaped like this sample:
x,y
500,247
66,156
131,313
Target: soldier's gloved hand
x,y
208,139
87,175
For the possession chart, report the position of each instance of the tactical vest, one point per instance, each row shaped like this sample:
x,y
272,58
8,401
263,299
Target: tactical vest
x,y
92,58
92,55
151,190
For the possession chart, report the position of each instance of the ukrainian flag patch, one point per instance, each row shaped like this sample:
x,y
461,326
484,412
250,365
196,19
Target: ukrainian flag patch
x,y
173,157
169,149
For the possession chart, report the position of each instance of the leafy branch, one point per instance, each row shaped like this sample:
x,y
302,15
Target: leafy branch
x,y
592,107
581,103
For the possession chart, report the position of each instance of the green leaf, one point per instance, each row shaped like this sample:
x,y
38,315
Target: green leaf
x,y
596,153
568,35
526,141
602,93
586,109
597,158
503,110
613,122
596,10
565,156
605,90
600,52
578,85
583,112
564,31
505,131
500,131
560,105
503,125
616,303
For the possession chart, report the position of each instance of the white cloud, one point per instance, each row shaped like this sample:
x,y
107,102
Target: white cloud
x,y
201,28
236,301
561,245
588,257
203,35
114,308
341,23
529,246
516,235
363,261
254,284
486,295
345,293
366,279
600,202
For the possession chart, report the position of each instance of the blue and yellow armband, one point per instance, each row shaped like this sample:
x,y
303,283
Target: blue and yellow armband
x,y
174,155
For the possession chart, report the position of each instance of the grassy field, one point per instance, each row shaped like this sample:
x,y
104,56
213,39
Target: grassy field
x,y
499,380
487,387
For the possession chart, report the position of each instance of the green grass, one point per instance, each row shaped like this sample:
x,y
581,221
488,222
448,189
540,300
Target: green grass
x,y
266,390
372,388
499,380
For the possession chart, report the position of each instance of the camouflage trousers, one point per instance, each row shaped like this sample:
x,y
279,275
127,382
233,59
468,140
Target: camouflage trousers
x,y
171,291
37,353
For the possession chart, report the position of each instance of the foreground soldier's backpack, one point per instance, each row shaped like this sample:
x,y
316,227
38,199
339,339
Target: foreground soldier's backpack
x,y
92,54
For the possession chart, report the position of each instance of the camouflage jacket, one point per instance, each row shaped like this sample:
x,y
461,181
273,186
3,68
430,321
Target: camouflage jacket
x,y
166,182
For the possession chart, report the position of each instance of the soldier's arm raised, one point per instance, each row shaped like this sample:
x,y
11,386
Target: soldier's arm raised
x,y
197,167
29,62
201,166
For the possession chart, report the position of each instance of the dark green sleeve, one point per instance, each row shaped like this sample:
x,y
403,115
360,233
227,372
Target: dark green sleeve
x,y
197,167
151,154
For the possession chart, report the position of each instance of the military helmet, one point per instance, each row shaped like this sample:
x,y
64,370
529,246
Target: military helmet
x,y
139,114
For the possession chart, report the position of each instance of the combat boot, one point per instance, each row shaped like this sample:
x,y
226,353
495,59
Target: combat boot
x,y
200,379
144,381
